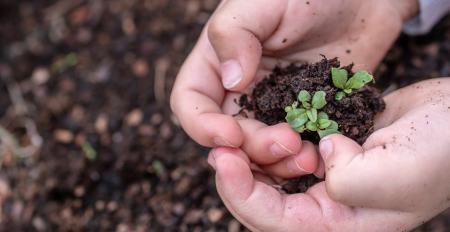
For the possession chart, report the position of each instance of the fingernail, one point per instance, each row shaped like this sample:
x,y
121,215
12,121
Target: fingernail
x,y
294,166
221,142
231,72
326,148
279,150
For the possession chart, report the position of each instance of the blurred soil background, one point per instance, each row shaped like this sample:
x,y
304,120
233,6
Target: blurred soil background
x,y
87,139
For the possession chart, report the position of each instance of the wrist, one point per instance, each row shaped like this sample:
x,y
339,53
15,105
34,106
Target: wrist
x,y
406,8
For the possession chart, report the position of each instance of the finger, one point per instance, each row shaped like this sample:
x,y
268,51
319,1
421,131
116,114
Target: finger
x,y
197,97
340,217
268,144
337,151
257,205
236,31
383,176
262,208
305,162
397,161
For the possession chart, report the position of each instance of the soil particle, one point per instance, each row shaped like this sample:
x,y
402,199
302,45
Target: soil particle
x,y
300,185
214,215
63,136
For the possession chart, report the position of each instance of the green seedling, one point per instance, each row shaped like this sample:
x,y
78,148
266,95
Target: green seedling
x,y
323,126
341,81
307,117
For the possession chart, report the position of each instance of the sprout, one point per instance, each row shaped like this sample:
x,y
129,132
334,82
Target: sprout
x,y
341,81
308,117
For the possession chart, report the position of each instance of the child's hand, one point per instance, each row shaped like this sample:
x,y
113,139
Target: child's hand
x,y
252,199
405,164
396,181
243,42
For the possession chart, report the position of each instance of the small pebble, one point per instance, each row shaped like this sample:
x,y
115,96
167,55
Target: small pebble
x,y
214,215
134,118
39,224
234,226
79,191
101,124
63,136
156,119
140,68
193,216
40,76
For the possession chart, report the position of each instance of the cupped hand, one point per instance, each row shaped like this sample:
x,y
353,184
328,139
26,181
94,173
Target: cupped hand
x,y
405,163
245,40
397,180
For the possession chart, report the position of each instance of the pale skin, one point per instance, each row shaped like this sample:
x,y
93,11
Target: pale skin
x,y
243,41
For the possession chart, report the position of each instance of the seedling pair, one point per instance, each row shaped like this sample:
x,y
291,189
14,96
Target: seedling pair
x,y
341,81
307,117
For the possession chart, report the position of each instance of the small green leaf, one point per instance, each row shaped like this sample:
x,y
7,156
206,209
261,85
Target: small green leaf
x,y
299,121
288,109
306,105
304,96
318,100
322,115
294,113
301,111
301,129
340,95
358,80
312,115
324,123
295,104
339,77
311,126
348,91
333,128
324,133
290,116
334,125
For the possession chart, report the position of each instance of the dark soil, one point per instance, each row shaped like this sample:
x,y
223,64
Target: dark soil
x,y
147,175
300,185
355,113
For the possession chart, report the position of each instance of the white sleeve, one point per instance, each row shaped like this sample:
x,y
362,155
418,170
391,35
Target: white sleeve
x,y
431,11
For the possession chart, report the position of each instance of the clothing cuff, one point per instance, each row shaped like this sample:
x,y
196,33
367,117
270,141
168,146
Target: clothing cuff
x,y
431,11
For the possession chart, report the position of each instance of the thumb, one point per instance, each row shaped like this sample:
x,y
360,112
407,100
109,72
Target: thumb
x,y
369,178
338,152
236,32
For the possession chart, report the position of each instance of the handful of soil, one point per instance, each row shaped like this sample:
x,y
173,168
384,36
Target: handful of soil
x,y
355,113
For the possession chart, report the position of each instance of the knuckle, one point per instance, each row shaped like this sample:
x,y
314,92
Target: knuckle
x,y
216,29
